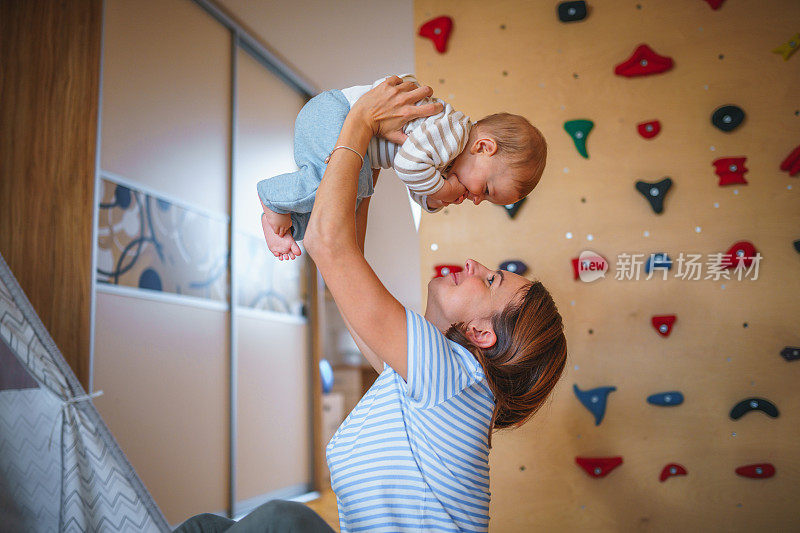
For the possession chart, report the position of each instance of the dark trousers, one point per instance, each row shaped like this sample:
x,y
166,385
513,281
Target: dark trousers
x,y
276,516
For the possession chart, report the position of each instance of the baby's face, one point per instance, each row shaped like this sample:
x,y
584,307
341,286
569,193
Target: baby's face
x,y
485,176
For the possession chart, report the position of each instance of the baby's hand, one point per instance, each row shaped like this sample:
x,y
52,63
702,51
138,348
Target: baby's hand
x,y
452,192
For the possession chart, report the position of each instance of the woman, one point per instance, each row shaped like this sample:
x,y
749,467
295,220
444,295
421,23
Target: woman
x,y
414,452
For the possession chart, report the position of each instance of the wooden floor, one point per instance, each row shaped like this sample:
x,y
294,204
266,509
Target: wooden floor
x,y
325,506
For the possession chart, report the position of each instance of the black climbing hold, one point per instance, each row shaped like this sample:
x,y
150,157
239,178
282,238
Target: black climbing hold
x,y
655,192
727,117
517,267
571,11
797,245
594,400
752,404
511,209
791,353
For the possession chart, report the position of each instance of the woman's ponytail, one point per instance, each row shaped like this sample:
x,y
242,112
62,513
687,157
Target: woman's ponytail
x,y
526,361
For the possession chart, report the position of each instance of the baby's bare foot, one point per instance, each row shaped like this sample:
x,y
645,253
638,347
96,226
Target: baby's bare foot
x,y
281,247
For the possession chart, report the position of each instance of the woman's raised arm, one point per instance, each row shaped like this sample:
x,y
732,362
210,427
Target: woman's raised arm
x,y
330,239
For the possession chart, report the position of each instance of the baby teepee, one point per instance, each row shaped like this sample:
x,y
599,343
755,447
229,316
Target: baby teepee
x,y
60,467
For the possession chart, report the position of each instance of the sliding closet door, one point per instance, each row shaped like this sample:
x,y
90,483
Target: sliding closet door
x,y
161,340
273,437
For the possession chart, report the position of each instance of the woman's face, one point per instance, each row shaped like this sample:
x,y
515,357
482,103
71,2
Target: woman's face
x,y
472,296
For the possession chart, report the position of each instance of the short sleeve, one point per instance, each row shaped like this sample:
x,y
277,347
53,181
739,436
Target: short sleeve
x,y
438,368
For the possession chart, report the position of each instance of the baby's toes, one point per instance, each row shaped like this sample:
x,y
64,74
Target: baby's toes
x,y
296,249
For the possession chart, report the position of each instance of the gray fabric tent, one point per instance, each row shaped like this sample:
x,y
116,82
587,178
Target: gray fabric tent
x,y
60,467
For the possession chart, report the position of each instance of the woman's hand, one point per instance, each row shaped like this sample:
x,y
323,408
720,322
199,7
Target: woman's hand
x,y
385,109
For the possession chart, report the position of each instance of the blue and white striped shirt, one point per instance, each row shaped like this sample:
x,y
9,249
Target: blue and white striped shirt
x,y
414,455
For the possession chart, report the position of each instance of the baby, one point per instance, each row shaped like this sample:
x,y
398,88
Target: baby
x,y
446,159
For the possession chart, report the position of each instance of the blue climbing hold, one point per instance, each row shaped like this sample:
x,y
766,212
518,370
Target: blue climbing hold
x,y
667,399
517,267
594,400
661,261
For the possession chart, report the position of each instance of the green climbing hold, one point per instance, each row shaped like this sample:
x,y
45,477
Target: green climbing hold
x,y
579,130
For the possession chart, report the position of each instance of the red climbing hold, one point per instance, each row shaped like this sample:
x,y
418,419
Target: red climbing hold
x,y
663,324
715,4
648,130
742,251
438,31
730,170
444,270
643,62
792,162
599,466
672,469
758,470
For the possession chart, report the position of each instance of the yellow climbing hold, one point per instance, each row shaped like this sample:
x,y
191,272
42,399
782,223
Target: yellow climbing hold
x,y
789,47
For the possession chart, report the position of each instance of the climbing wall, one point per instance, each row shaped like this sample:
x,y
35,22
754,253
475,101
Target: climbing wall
x,y
677,409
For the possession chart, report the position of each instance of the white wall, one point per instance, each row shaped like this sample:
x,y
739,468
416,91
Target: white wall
x,y
335,45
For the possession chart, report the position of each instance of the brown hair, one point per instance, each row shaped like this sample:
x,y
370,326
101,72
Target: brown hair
x,y
526,361
522,146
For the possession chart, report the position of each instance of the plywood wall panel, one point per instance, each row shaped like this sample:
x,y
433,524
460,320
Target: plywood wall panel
x,y
517,57
50,57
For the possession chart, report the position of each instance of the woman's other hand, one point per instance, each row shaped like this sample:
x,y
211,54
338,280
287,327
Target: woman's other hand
x,y
387,107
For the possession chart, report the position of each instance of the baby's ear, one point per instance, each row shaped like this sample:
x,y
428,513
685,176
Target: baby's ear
x,y
486,146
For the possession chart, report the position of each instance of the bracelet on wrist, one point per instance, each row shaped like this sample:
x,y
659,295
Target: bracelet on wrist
x,y
327,159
